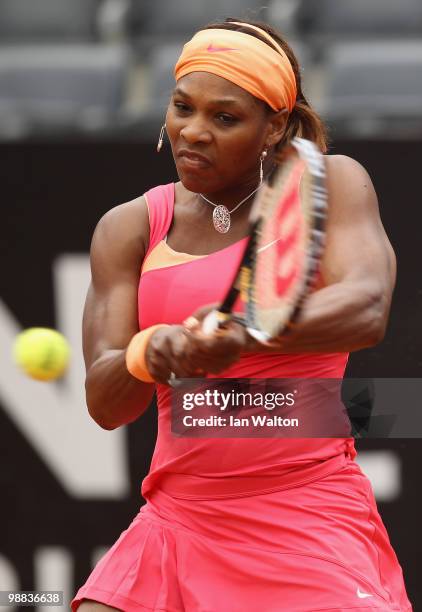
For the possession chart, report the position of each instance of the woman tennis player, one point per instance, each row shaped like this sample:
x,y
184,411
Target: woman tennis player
x,y
236,525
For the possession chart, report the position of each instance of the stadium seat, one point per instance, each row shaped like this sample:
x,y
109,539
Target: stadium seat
x,y
374,83
301,51
47,20
281,15
359,17
47,89
179,20
162,61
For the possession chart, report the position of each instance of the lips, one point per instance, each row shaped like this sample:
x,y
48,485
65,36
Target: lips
x,y
193,159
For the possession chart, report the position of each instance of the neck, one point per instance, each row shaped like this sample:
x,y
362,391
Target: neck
x,y
232,196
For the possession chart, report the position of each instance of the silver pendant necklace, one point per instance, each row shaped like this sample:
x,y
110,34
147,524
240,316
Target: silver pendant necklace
x,y
221,215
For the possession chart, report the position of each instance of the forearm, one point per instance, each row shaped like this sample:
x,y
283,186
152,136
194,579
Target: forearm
x,y
115,397
339,318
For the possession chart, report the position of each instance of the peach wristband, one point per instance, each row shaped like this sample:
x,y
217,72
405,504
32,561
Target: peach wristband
x,y
244,60
135,353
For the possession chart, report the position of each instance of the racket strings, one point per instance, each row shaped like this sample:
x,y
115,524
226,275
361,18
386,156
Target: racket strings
x,y
279,260
290,240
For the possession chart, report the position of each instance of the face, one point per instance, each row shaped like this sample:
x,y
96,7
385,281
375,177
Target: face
x,y
217,132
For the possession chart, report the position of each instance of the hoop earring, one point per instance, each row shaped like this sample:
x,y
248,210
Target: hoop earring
x,y
161,138
261,160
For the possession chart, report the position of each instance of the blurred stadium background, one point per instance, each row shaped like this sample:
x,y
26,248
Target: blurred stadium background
x,y
83,89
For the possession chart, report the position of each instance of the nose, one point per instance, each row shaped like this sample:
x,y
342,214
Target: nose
x,y
196,130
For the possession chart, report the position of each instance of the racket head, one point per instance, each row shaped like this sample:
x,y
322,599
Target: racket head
x,y
288,226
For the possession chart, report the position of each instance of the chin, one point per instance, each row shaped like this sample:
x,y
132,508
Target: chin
x,y
195,182
191,184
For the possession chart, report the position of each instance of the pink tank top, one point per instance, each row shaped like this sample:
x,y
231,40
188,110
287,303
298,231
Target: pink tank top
x,y
172,286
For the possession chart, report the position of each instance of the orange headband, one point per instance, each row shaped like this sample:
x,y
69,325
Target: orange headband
x,y
244,60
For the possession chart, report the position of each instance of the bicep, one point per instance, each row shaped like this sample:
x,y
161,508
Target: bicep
x,y
111,309
110,320
357,247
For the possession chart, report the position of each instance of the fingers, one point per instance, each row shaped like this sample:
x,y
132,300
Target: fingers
x,y
202,312
167,354
191,323
186,352
215,353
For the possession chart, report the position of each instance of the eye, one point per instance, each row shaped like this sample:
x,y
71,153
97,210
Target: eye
x,y
181,107
226,119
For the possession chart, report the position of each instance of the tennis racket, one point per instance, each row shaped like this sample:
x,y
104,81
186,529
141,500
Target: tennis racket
x,y
281,260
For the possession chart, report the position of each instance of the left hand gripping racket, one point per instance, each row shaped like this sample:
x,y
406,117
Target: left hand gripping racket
x,y
281,260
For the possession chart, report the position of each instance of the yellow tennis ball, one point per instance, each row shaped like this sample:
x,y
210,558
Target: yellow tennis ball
x,y
42,353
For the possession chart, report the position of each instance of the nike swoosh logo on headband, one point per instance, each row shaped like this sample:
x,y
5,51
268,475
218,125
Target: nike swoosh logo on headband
x,y
212,49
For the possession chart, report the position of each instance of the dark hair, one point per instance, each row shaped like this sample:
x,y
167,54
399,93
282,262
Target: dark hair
x,y
303,121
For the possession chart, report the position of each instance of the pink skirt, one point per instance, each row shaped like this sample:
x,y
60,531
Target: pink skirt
x,y
319,547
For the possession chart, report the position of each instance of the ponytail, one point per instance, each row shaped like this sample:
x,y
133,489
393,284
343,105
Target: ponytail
x,y
305,123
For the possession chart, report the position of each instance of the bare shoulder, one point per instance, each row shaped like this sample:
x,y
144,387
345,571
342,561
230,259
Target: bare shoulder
x,y
349,185
121,237
125,222
343,168
356,243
